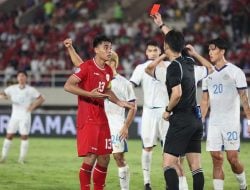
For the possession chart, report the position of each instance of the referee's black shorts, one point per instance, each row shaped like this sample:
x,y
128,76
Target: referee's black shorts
x,y
184,134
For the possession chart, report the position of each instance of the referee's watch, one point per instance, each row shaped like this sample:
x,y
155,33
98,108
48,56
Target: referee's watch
x,y
166,110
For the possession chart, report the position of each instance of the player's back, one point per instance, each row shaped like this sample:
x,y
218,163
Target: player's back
x,y
154,91
223,85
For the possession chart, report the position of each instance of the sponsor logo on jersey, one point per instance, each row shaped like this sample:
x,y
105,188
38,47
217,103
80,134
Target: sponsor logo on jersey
x,y
96,74
226,77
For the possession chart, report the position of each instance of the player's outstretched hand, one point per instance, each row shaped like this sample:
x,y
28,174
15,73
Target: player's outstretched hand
x,y
96,94
157,19
124,133
67,42
190,50
125,104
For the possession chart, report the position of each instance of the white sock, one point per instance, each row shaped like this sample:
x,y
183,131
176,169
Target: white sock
x,y
241,178
124,176
183,183
23,149
218,184
6,147
146,165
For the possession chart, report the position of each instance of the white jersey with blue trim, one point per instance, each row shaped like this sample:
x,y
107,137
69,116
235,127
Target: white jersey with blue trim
x,y
222,86
21,99
154,91
124,91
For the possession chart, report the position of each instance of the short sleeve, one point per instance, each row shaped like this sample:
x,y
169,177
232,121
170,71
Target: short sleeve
x,y
160,74
240,79
137,75
204,85
130,94
34,93
81,71
200,72
174,74
8,90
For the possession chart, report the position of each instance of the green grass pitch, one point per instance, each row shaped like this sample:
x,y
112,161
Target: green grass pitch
x,y
52,164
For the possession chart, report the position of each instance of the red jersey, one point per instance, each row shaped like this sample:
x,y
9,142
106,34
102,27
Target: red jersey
x,y
91,110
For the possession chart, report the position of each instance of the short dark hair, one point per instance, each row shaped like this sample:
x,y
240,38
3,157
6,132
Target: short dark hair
x,y
23,72
153,43
175,41
220,43
99,39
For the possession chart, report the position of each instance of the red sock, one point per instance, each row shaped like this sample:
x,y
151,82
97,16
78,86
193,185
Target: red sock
x,y
84,176
99,176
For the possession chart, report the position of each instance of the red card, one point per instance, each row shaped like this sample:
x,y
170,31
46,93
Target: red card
x,y
155,9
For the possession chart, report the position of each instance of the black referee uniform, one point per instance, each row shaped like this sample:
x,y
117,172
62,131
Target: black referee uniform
x,y
185,129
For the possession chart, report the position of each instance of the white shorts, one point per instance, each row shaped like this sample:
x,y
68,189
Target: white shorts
x,y
19,124
115,125
221,138
153,126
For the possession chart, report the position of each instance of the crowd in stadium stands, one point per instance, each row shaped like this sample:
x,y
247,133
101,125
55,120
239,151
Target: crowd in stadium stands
x,y
38,47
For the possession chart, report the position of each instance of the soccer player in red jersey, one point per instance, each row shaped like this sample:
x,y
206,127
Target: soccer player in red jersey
x,y
91,82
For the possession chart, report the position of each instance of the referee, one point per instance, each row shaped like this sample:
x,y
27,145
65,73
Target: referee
x,y
185,130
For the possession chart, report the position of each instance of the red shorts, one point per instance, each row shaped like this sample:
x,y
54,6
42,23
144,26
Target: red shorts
x,y
93,138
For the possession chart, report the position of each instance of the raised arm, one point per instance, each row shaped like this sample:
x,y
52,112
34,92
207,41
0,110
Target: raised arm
x,y
158,21
150,69
245,104
75,58
192,52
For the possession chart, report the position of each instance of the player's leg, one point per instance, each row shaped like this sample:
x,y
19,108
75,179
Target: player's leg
x,y
218,172
11,131
24,130
104,150
123,170
24,146
237,167
87,145
215,145
6,146
183,185
86,170
149,139
100,171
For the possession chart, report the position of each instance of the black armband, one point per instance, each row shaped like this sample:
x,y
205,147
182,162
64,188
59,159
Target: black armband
x,y
166,110
161,26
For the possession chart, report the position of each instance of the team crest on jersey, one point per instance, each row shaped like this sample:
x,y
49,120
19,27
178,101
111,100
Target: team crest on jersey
x,y
77,70
226,77
107,77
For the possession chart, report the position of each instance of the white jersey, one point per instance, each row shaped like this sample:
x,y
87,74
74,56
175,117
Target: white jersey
x,y
154,91
200,72
124,91
222,86
21,99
